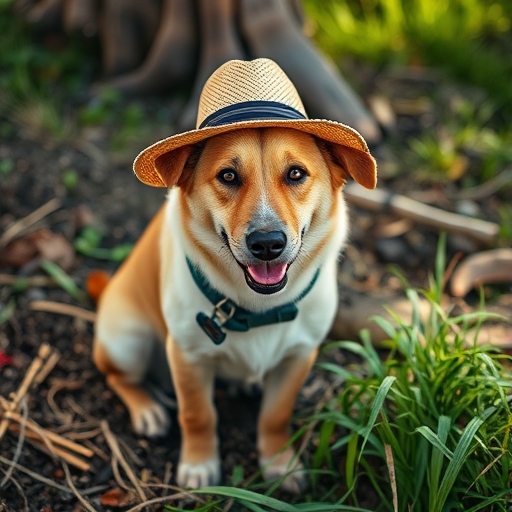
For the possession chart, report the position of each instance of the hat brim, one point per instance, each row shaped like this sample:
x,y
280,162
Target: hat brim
x,y
330,131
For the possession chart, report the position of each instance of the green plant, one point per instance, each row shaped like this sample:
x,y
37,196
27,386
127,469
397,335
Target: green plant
x,y
88,244
62,279
436,410
466,37
6,167
35,78
70,179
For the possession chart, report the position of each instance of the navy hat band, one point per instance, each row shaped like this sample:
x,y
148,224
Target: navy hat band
x,y
251,111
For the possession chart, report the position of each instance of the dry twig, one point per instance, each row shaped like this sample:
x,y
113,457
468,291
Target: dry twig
x,y
19,445
80,498
63,309
20,226
47,447
19,488
116,451
35,281
38,432
33,370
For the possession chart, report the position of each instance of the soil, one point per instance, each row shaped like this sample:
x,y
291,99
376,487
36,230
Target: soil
x,y
73,400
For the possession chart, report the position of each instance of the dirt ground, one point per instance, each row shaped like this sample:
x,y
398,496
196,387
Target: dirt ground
x,y
73,399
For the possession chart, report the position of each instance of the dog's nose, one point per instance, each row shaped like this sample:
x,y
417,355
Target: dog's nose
x,y
266,245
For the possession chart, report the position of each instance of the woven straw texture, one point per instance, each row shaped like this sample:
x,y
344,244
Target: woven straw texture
x,y
238,81
260,79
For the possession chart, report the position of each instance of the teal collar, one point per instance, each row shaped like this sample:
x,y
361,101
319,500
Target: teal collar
x,y
227,314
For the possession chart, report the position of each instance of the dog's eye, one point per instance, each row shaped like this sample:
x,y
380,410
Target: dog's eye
x,y
228,177
296,175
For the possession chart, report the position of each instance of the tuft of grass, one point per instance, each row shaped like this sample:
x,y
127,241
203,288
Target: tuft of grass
x,y
437,407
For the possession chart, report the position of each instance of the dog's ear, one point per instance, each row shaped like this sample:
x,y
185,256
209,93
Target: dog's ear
x,y
170,166
350,162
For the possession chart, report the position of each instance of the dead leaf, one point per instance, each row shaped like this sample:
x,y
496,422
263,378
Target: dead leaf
x,y
18,253
117,498
42,243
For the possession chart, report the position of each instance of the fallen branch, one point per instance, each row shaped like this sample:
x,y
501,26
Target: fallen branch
x,y
379,200
482,268
63,309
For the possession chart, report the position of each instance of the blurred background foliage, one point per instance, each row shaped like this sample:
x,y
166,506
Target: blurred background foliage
x,y
470,39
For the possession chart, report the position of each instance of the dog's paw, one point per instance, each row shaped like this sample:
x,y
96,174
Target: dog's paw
x,y
202,474
151,420
287,468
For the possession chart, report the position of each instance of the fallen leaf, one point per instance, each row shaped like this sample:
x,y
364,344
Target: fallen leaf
x,y
18,253
117,498
57,249
95,283
40,244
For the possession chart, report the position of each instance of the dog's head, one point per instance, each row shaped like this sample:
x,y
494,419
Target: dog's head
x,y
266,198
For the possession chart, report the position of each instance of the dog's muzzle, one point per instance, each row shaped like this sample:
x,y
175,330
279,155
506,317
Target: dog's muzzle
x,y
266,276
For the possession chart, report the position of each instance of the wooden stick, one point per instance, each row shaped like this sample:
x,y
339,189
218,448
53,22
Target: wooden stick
x,y
63,309
47,368
38,432
18,227
36,281
380,200
59,452
33,370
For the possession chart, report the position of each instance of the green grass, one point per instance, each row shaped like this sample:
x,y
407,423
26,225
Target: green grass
x,y
440,405
468,38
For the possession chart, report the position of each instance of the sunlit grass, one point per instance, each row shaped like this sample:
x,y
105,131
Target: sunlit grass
x,y
469,38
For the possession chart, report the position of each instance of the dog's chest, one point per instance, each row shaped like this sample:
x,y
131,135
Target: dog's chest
x,y
251,353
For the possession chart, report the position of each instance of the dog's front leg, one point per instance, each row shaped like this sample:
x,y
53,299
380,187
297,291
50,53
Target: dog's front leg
x,y
281,387
199,464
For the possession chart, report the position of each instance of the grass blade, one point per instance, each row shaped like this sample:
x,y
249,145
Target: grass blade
x,y
376,408
455,465
436,464
62,279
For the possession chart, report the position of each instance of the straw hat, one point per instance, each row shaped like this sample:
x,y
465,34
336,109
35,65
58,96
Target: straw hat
x,y
247,94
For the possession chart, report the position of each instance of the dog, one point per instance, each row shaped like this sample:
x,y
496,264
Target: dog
x,y
236,275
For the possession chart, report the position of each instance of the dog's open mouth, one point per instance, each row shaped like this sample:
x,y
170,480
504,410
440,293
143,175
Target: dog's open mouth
x,y
266,278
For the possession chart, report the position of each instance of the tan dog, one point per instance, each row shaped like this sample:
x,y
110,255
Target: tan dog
x,y
252,229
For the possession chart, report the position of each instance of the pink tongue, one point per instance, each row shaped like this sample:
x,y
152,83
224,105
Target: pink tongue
x,y
265,273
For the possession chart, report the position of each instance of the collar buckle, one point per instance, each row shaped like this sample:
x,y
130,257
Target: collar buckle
x,y
221,314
